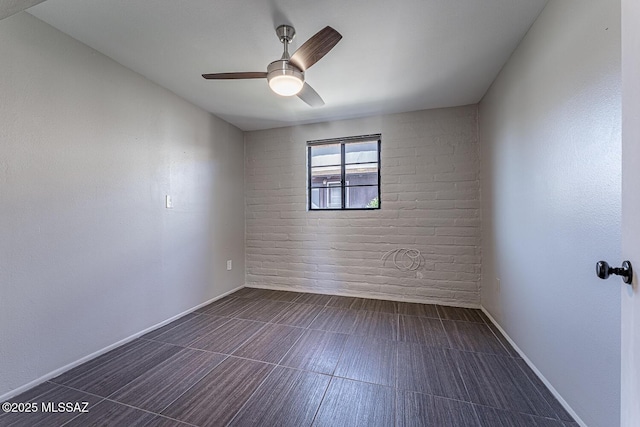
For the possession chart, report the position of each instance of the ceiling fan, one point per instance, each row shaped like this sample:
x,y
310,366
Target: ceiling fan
x,y
286,75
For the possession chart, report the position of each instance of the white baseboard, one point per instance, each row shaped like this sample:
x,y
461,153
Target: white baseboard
x,y
106,349
536,371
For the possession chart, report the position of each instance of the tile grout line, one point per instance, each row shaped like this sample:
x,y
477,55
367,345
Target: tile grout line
x,y
134,376
255,302
228,356
292,345
324,395
193,313
535,387
315,317
166,361
507,359
102,399
397,387
456,363
132,343
342,351
296,326
351,333
181,394
499,340
226,320
204,376
252,394
239,345
157,414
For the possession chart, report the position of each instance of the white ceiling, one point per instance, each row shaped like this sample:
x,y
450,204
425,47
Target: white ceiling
x,y
395,56
10,7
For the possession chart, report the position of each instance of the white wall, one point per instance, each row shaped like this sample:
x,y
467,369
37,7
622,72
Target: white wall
x,y
630,397
88,253
430,201
550,151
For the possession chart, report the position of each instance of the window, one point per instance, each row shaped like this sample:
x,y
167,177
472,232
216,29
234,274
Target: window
x,y
344,173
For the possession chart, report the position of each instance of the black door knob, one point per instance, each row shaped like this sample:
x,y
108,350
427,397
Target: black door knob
x,y
603,270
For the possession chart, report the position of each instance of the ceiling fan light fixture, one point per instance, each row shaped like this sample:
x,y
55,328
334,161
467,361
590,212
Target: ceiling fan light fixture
x,y
284,79
286,75
286,85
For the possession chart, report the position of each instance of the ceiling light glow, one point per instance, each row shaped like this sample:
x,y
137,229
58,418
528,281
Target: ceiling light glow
x,y
284,79
285,85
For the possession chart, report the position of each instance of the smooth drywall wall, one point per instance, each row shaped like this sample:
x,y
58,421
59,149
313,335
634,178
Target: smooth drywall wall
x,y
430,202
630,396
89,255
550,152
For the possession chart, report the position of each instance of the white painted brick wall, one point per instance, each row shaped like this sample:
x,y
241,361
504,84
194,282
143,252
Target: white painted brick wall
x,y
430,202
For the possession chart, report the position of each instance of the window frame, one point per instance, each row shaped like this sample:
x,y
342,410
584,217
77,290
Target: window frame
x,y
344,187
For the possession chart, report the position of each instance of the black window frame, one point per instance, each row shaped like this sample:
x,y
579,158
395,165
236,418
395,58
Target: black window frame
x,y
343,186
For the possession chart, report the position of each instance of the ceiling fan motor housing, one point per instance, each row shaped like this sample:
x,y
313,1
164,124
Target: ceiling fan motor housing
x,y
285,33
284,78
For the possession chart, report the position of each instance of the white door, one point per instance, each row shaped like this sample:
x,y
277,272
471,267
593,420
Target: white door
x,y
630,374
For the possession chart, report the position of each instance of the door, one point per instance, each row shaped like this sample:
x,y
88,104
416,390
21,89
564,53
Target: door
x,y
630,374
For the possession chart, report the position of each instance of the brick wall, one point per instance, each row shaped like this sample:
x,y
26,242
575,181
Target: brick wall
x,y
430,202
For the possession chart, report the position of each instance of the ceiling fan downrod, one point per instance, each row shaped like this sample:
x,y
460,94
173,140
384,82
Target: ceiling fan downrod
x,y
285,33
284,78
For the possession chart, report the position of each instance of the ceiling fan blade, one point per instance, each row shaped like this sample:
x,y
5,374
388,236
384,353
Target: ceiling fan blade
x,y
232,76
310,96
315,48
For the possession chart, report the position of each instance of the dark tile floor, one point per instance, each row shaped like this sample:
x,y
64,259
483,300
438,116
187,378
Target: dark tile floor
x,y
275,358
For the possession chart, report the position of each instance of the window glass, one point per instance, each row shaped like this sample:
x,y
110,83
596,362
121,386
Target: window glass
x,y
325,155
362,197
344,174
361,152
361,174
323,175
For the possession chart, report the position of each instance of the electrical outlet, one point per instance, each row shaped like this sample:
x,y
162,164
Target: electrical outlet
x,y
229,265
497,285
168,202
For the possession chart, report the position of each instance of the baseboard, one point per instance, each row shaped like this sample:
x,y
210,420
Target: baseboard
x,y
364,295
536,371
106,349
